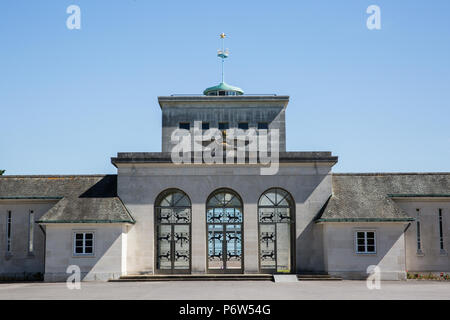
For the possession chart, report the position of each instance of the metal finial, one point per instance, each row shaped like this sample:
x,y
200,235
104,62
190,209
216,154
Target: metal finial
x,y
223,54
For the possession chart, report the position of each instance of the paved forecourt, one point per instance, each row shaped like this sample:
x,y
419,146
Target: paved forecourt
x,y
251,290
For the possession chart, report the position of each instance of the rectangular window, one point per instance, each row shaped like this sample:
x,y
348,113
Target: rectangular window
x,y
243,125
184,125
365,242
31,232
419,242
263,126
205,125
8,232
223,126
83,243
441,231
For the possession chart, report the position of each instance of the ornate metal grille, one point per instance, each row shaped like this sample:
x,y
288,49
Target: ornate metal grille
x,y
224,222
275,217
173,232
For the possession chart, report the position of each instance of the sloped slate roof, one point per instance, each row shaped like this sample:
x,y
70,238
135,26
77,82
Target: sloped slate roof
x,y
368,197
81,199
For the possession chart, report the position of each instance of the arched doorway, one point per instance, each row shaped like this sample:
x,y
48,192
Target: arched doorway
x,y
173,232
276,215
224,219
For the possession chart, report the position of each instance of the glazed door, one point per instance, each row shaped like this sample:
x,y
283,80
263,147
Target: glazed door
x,y
275,252
173,249
225,248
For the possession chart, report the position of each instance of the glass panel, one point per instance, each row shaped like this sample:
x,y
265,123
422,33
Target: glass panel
x,y
182,248
267,215
228,197
264,201
215,215
271,196
234,202
165,215
181,216
283,215
232,215
78,250
167,201
267,238
361,249
79,236
281,198
176,197
370,248
215,247
183,202
214,202
89,236
164,238
283,247
234,246
220,197
88,250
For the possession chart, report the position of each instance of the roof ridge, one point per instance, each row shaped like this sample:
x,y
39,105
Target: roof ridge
x,y
390,173
58,176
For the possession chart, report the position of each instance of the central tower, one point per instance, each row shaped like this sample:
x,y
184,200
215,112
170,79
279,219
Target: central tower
x,y
223,107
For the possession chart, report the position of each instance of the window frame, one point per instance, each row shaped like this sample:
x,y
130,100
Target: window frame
x,y
31,221
441,231
74,245
419,246
8,232
365,252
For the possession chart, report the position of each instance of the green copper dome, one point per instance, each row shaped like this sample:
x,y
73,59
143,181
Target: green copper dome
x,y
223,89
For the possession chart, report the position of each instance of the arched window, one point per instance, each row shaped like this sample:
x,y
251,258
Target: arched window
x,y
276,222
173,232
224,219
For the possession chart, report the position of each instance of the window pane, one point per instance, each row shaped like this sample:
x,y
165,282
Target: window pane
x,y
185,125
78,250
88,250
370,248
205,125
371,235
79,236
371,242
89,236
360,242
223,125
263,125
361,249
243,125
360,235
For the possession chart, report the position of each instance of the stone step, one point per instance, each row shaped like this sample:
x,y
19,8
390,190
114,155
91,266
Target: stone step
x,y
190,277
218,277
316,277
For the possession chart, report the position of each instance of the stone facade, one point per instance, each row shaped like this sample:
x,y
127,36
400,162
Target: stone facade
x,y
326,210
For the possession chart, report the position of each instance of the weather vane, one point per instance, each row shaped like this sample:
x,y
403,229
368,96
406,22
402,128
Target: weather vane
x,y
223,54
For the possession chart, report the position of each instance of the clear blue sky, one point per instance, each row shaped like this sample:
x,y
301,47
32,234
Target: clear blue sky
x,y
71,99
